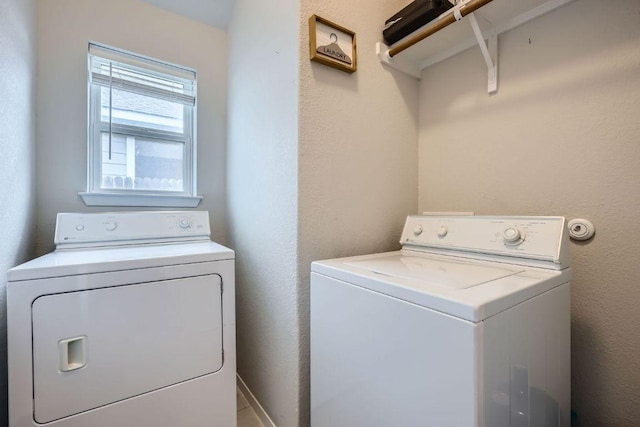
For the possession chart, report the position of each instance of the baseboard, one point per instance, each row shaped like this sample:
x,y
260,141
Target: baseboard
x,y
253,402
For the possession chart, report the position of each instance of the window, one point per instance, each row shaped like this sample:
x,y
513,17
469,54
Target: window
x,y
141,136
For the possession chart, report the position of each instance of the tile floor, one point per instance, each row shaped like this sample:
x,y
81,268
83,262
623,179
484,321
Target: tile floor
x,y
246,415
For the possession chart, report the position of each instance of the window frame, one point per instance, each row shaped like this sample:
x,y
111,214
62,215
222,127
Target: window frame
x,y
98,196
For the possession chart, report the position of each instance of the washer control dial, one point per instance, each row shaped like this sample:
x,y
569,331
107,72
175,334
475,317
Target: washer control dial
x,y
417,230
442,231
110,226
513,235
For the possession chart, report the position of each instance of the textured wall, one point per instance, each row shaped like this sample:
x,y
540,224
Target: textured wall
x,y
358,150
560,138
319,167
262,200
358,133
17,146
64,29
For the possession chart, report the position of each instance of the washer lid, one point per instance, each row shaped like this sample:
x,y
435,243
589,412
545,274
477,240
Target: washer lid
x,y
472,290
448,273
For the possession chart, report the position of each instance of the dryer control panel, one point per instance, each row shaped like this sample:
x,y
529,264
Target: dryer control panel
x,y
122,228
540,238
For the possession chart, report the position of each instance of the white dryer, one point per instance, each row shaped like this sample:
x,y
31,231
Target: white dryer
x,y
129,323
467,326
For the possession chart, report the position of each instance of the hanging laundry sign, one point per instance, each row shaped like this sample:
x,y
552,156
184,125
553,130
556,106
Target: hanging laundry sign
x,y
331,44
334,50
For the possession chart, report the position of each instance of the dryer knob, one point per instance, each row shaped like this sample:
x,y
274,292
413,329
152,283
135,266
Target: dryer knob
x,y
110,226
417,230
184,223
442,232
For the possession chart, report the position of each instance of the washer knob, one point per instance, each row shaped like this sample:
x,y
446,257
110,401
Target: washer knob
x,y
442,231
418,230
184,223
110,226
512,235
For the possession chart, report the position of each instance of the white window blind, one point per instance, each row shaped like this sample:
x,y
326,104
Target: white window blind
x,y
141,128
110,68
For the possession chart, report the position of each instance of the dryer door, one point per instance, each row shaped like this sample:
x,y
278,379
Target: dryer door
x,y
96,347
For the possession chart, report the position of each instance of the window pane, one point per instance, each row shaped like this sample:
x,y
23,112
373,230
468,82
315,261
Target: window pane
x,y
143,111
142,163
142,119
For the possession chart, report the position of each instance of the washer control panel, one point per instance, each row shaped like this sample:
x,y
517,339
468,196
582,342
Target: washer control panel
x,y
539,238
130,227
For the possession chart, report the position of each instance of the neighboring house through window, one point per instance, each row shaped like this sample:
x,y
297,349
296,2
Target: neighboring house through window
x,y
141,136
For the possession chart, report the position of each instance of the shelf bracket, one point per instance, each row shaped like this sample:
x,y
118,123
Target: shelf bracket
x,y
407,67
489,52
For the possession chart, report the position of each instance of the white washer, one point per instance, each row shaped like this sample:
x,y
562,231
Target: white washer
x,y
468,325
129,323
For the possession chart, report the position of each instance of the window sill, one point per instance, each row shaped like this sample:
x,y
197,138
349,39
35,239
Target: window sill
x,y
140,200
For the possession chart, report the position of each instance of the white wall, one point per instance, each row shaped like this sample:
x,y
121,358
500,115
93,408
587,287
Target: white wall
x,y
17,142
358,149
562,137
262,200
65,27
358,141
321,164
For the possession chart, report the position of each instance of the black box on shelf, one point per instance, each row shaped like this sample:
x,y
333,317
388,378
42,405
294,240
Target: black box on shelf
x,y
412,17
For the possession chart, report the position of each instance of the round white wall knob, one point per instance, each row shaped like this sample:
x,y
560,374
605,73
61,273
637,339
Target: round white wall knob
x,y
581,229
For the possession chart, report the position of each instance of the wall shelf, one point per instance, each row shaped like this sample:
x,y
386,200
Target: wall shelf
x,y
492,19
